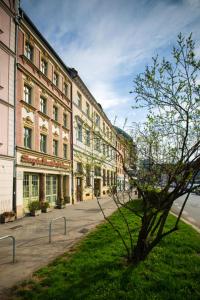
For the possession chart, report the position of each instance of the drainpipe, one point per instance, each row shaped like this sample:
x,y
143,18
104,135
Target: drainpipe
x,y
14,204
72,148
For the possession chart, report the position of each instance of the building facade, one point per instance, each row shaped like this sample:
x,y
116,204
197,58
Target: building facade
x,y
43,121
94,141
8,20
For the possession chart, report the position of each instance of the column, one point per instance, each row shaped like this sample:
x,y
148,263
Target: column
x,y
60,190
42,190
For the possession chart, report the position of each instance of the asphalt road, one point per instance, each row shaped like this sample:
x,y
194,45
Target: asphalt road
x,y
191,211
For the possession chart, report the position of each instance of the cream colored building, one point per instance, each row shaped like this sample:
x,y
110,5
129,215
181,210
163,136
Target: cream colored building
x,y
94,159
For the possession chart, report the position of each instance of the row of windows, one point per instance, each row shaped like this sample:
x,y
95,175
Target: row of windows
x,y
43,143
43,105
109,177
29,53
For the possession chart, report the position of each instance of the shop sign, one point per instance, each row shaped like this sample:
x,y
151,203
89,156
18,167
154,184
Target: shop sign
x,y
37,161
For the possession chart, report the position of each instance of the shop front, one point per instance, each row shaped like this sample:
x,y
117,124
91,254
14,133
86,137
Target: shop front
x,y
40,179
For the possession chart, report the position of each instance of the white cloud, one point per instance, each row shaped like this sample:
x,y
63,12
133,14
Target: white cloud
x,y
107,41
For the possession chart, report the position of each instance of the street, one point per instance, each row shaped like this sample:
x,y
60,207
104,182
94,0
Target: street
x,y
192,209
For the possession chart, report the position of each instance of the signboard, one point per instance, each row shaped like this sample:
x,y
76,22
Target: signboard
x,y
37,161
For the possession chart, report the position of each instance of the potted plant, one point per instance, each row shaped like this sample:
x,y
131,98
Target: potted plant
x,y
60,204
34,208
45,207
8,216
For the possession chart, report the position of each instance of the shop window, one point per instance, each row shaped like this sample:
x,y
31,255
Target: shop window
x,y
44,66
27,137
30,189
43,105
26,191
55,147
104,177
28,51
51,189
27,94
43,143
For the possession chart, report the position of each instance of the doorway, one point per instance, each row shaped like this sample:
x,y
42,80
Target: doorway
x,y
79,190
97,187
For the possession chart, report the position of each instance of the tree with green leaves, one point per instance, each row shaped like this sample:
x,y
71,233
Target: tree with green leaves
x,y
168,144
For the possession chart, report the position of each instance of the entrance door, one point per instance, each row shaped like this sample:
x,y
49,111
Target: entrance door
x,y
78,189
51,189
30,189
97,187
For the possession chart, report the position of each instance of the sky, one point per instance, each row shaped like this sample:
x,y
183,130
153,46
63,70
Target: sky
x,y
109,42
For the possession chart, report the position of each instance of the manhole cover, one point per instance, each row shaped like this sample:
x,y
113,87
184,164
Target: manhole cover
x,y
84,230
16,227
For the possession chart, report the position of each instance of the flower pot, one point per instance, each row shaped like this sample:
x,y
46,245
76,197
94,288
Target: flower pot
x,y
35,213
4,219
60,205
47,209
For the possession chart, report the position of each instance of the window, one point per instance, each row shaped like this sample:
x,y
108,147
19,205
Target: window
x,y
43,143
27,137
55,113
44,66
111,181
97,171
97,120
29,51
108,178
87,137
104,177
79,132
35,186
43,105
27,94
65,151
65,120
79,167
66,89
26,190
55,78
79,100
55,147
108,150
104,149
107,132
87,109
104,127
97,144
88,178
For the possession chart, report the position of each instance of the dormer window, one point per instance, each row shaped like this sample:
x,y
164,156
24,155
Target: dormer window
x,y
44,66
55,78
29,51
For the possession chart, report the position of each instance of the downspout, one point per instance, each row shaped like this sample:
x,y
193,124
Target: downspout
x,y
72,147
14,204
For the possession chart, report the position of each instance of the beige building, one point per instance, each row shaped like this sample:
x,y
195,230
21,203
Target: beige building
x,y
94,159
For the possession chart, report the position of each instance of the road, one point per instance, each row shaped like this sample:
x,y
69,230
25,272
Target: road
x,y
192,209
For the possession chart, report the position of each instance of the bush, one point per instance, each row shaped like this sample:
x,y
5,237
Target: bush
x,y
45,204
34,205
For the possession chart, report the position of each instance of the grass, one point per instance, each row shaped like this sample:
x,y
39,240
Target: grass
x,y
97,269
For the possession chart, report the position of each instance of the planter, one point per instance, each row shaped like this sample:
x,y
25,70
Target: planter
x,y
47,209
5,219
60,206
35,213
67,199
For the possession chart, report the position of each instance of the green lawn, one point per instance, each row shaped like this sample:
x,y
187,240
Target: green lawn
x,y
97,269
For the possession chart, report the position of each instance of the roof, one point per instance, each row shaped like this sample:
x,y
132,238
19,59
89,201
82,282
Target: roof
x,y
123,133
70,71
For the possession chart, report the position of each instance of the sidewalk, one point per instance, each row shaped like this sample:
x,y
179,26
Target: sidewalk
x,y
32,244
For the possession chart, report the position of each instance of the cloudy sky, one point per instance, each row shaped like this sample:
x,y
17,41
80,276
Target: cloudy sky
x,y
110,41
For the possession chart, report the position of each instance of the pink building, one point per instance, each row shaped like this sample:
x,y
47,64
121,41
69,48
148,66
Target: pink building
x,y
43,122
8,13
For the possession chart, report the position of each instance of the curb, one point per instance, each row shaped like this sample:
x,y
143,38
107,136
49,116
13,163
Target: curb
x,y
187,222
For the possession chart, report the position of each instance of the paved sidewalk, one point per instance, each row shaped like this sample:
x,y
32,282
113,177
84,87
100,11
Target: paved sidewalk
x,y
32,245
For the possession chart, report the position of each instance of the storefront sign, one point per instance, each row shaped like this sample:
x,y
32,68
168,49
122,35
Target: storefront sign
x,y
43,162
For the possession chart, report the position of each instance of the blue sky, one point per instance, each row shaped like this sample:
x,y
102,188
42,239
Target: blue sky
x,y
110,41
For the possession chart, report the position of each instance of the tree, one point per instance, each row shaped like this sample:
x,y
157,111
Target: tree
x,y
168,144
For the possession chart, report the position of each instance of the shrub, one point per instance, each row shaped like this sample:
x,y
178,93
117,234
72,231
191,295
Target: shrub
x,y
34,205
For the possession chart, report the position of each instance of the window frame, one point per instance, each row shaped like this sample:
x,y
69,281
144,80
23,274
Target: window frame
x,y
27,138
43,150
